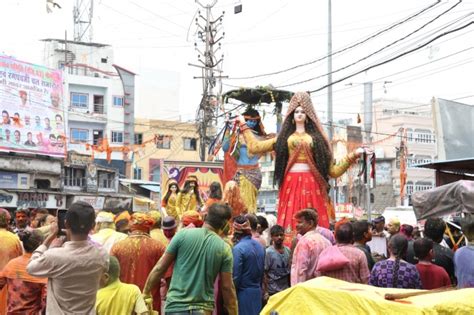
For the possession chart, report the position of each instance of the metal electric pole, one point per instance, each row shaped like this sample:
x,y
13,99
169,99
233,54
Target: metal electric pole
x,y
333,191
209,33
368,129
330,118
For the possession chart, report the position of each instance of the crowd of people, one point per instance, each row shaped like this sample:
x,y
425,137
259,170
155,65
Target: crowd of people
x,y
214,264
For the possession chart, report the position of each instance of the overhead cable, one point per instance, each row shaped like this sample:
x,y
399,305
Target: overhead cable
x,y
341,50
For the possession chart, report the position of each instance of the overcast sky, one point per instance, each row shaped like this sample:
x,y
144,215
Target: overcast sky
x,y
156,40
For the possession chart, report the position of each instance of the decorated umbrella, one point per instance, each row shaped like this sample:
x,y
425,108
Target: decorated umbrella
x,y
261,94
258,95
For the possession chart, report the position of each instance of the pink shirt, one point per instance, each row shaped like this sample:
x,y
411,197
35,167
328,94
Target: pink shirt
x,y
357,271
305,257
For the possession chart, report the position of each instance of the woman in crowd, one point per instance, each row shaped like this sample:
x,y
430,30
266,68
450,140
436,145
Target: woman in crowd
x,y
395,272
170,199
303,165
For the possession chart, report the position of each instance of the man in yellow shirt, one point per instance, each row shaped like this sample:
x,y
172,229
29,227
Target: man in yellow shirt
x,y
117,298
156,232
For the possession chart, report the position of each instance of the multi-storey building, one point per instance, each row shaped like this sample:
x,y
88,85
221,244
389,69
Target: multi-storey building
x,y
162,140
98,99
98,105
268,194
413,120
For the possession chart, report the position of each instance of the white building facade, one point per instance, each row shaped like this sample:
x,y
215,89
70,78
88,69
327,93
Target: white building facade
x,y
98,100
415,119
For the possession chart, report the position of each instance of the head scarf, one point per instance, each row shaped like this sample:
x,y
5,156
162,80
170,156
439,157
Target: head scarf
x,y
141,222
243,228
122,216
5,217
304,100
192,217
104,217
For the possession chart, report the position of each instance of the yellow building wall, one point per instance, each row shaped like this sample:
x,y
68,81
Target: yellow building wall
x,y
147,157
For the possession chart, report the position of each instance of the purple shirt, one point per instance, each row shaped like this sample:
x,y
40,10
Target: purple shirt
x,y
383,273
327,233
464,267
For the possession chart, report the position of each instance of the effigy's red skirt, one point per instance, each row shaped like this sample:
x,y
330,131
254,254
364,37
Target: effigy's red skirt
x,y
300,190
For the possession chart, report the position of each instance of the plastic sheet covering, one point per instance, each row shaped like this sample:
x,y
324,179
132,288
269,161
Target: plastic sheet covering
x,y
325,295
457,197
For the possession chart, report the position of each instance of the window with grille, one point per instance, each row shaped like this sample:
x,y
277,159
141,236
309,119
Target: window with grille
x,y
79,135
79,100
270,178
138,138
117,137
74,177
137,173
190,144
106,179
163,142
424,136
118,101
409,188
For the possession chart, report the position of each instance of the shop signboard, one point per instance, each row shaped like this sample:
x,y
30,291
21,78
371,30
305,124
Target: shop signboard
x,y
31,200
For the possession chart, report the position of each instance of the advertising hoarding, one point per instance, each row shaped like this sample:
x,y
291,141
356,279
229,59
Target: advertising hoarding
x,y
31,102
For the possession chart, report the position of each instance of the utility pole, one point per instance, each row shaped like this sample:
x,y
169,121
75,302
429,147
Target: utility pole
x,y
333,191
368,130
209,33
330,117
82,16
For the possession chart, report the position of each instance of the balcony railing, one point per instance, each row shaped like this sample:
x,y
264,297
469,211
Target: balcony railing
x,y
106,183
99,109
72,181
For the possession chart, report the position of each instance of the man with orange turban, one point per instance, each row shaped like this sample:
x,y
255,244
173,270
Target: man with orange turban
x,y
192,219
138,254
122,222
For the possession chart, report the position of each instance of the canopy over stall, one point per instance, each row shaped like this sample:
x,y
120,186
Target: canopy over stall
x,y
454,198
451,170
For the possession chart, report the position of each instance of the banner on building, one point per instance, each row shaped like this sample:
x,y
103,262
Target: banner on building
x,y
31,102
